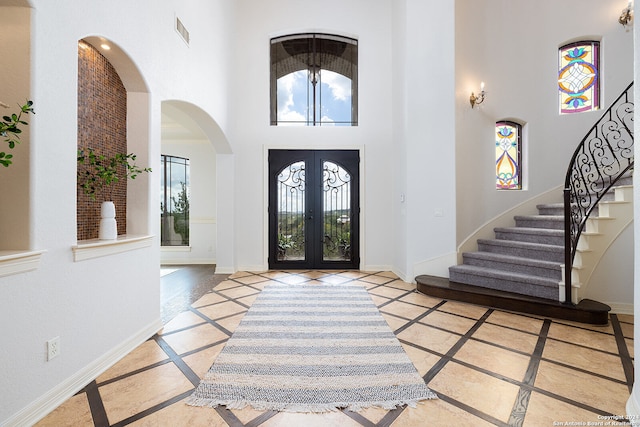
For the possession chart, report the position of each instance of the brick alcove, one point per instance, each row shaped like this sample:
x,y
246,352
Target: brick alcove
x,y
102,126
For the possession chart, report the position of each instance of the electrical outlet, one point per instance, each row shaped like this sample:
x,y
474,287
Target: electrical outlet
x,y
53,348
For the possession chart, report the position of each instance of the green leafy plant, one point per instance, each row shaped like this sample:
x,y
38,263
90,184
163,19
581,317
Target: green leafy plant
x,y
97,174
285,242
10,130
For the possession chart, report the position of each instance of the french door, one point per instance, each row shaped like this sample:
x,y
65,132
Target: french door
x,y
314,209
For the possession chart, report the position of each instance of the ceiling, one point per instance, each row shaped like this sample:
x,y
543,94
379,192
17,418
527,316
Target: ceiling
x,y
178,126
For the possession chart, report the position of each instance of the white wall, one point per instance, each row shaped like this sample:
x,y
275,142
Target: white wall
x,y
100,307
512,46
251,131
15,89
425,136
612,281
633,404
202,204
399,85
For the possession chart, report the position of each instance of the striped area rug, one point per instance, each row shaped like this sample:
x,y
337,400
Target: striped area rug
x,y
312,348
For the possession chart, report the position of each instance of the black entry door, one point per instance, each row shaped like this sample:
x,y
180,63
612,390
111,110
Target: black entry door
x,y
314,209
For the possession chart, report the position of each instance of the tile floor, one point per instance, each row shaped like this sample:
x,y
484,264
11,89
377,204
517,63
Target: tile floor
x,y
488,367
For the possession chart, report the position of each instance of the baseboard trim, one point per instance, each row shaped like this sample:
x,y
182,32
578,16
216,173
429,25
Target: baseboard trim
x,y
187,261
376,268
436,266
402,275
253,268
49,401
620,308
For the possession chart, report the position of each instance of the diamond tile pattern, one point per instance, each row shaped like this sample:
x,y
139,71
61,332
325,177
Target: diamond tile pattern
x,y
488,367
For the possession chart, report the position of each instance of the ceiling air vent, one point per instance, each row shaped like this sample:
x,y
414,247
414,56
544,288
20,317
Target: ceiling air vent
x,y
180,28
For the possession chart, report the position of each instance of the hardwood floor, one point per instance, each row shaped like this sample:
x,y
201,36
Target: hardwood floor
x,y
181,285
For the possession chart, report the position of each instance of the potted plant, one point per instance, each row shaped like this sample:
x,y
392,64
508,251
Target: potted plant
x,y
284,243
10,130
97,175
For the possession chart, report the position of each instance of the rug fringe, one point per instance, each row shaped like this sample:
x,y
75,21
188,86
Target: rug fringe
x,y
308,408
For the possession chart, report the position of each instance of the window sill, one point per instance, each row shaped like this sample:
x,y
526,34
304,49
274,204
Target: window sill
x,y
89,249
16,262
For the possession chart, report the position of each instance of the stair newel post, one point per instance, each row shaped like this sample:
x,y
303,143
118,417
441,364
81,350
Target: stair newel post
x,y
568,259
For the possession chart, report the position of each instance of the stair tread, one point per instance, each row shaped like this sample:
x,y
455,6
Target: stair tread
x,y
587,311
551,205
531,230
615,202
501,274
516,243
541,217
510,259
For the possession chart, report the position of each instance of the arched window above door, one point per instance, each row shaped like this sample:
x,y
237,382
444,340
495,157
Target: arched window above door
x,y
314,80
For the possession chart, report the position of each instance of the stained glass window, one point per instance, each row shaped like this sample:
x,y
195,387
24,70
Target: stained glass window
x,y
579,77
508,156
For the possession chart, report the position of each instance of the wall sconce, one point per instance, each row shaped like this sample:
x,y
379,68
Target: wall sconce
x,y
626,16
476,100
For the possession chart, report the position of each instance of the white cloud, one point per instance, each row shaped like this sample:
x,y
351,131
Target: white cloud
x,y
292,97
285,91
340,85
327,121
286,113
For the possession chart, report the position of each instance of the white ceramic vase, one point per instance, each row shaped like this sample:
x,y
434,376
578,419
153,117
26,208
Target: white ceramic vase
x,y
108,225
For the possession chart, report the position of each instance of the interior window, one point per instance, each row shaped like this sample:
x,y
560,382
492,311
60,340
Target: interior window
x,y
314,80
174,201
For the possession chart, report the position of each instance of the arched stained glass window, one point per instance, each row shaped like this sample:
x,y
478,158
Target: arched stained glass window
x,y
579,77
314,80
508,155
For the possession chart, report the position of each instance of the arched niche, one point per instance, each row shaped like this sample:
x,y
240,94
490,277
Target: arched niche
x,y
137,132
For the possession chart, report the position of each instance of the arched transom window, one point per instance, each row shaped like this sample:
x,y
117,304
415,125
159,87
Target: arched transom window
x,y
314,80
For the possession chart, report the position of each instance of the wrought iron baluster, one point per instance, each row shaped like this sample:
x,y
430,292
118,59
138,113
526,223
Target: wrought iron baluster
x,y
604,156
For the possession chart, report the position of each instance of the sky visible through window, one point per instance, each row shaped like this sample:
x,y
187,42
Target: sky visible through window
x,y
295,99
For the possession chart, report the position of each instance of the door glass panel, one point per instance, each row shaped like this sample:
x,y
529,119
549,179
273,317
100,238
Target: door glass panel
x,y
291,212
336,211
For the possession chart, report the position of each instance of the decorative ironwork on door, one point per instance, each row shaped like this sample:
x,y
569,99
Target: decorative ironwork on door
x,y
313,209
336,185
291,211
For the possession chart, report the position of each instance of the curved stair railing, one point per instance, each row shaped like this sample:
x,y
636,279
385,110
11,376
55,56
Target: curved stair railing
x,y
604,155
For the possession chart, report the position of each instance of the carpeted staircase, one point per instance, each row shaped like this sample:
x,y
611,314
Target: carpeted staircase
x,y
522,268
526,259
